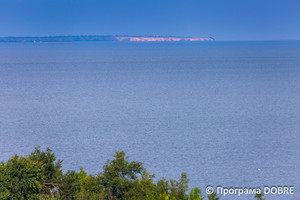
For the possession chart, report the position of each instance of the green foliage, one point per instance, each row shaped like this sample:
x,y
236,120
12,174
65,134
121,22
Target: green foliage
x,y
20,178
260,196
213,196
70,185
79,185
173,189
196,194
142,188
39,176
51,170
119,175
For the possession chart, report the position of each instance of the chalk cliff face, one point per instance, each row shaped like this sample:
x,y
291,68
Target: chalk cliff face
x,y
161,39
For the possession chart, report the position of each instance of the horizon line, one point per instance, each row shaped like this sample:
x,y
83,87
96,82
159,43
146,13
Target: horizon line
x,y
153,38
139,36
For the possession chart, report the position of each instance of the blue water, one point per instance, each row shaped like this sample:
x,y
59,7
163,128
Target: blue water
x,y
227,113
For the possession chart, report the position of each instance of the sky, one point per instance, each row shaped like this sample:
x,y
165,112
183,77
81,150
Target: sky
x,y
220,19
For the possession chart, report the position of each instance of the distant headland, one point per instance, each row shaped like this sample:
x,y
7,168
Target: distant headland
x,y
105,38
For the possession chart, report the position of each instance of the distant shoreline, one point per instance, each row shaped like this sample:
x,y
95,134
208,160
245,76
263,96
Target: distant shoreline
x,y
104,38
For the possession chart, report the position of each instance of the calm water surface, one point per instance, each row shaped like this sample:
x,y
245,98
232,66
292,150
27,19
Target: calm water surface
x,y
226,113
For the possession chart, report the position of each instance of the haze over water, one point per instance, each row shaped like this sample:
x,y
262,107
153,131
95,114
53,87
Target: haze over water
x,y
226,113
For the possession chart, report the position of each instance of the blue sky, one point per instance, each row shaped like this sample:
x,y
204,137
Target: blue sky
x,y
221,19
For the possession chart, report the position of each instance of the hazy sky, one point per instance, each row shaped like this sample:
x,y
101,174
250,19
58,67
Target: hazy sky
x,y
221,19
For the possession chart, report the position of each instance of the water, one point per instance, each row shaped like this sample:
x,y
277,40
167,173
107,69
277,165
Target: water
x,y
226,113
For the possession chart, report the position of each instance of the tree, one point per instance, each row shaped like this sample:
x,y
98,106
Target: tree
x,y
20,178
196,194
119,175
79,185
172,189
142,188
51,170
38,176
179,188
